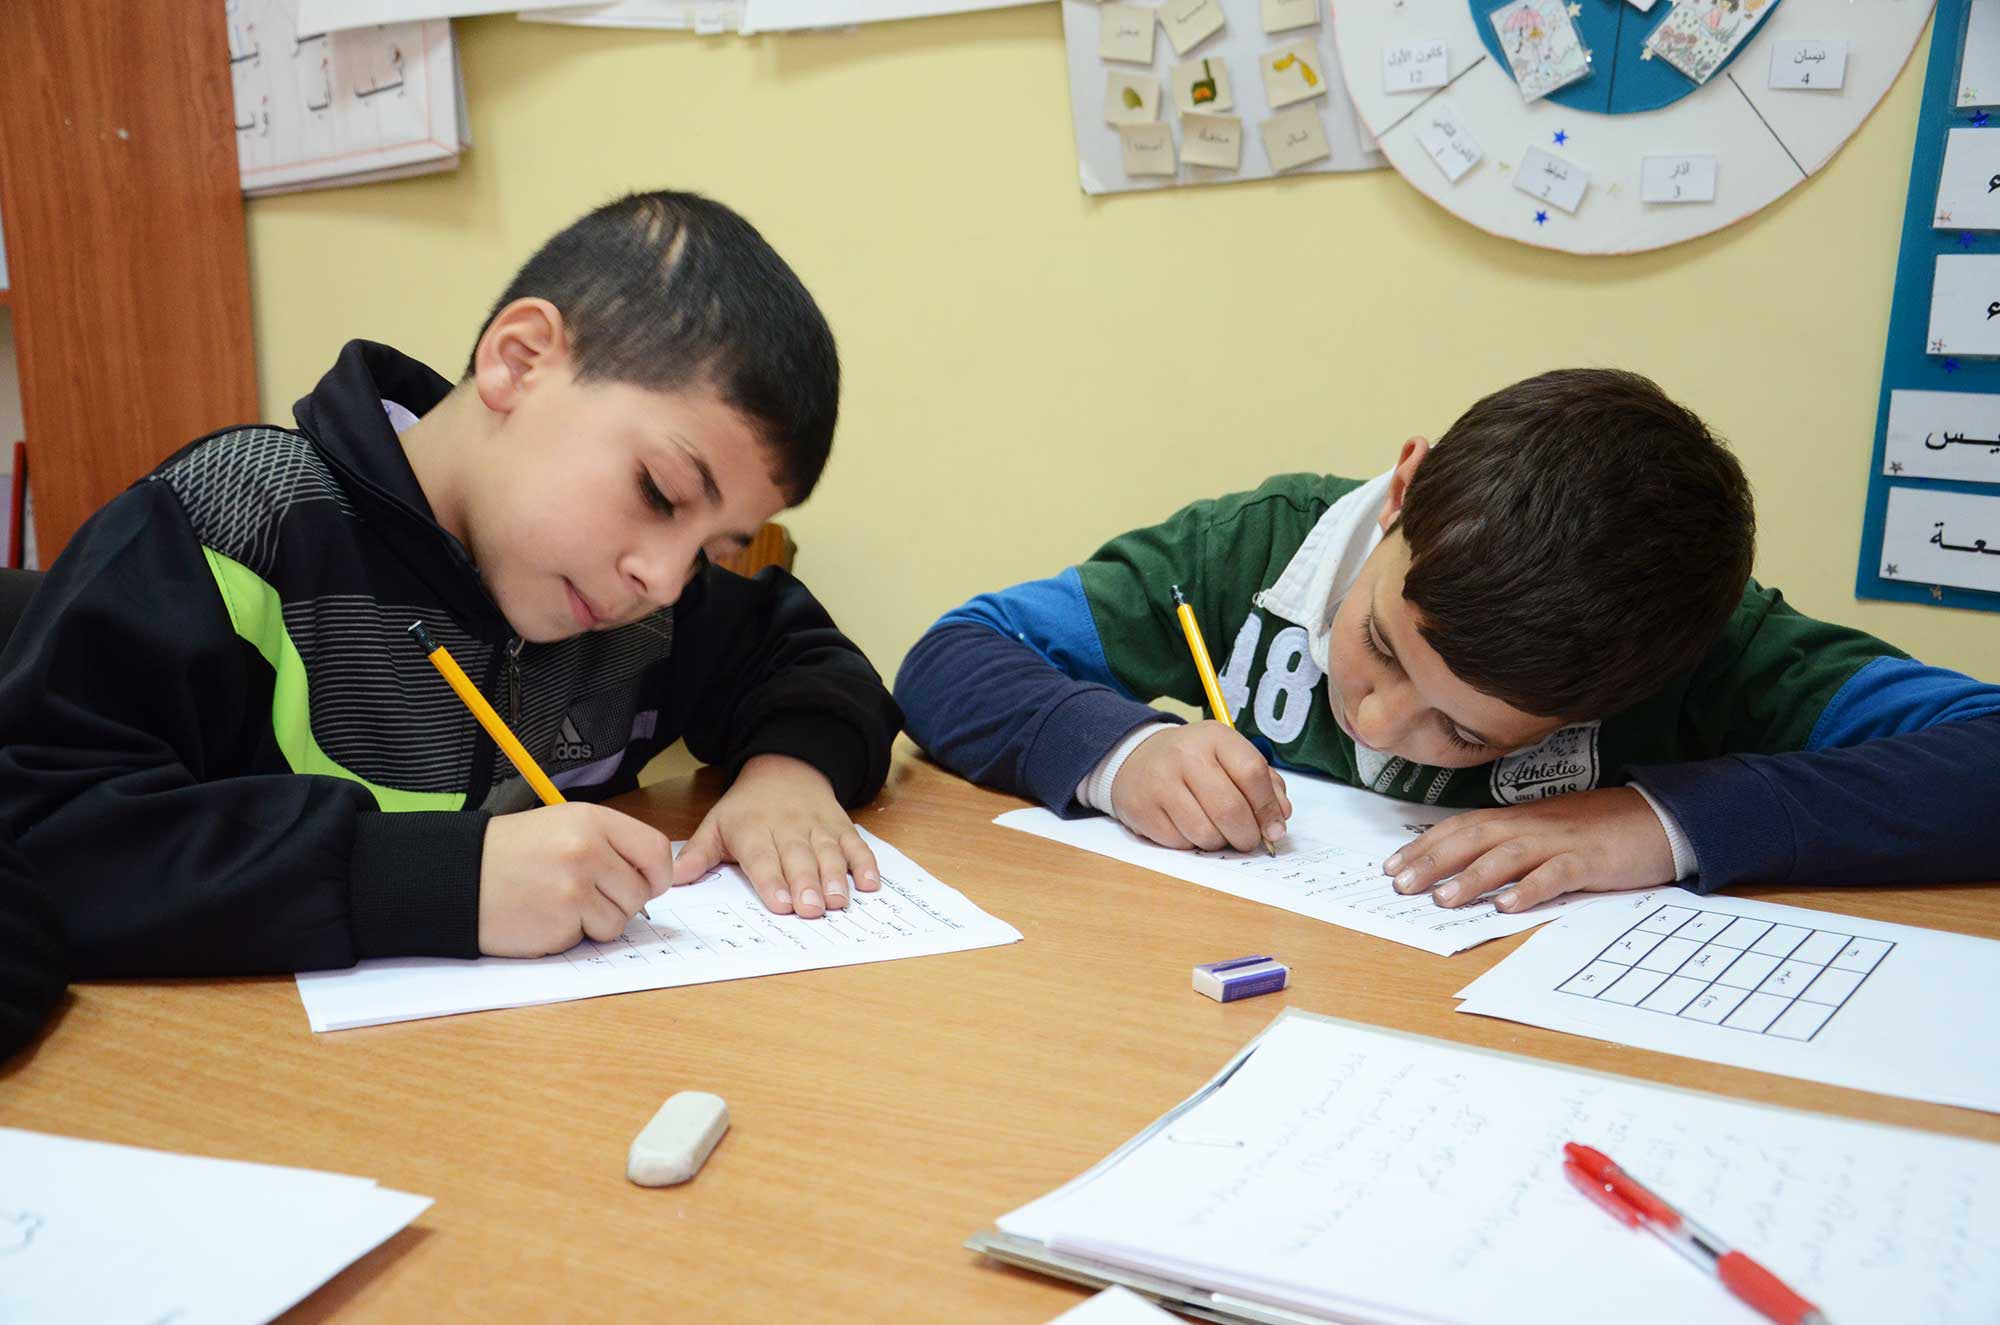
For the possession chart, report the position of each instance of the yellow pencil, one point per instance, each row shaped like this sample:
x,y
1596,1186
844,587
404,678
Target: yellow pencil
x,y
1216,704
516,752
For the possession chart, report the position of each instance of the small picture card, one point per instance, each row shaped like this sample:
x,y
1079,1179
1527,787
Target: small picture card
x,y
1936,537
1965,306
1555,181
1125,32
1541,45
1677,179
1696,36
1292,73
1202,86
1943,434
1284,15
1412,66
1810,66
1448,142
1148,148
1212,140
1131,98
1190,22
1295,138
1979,58
1969,185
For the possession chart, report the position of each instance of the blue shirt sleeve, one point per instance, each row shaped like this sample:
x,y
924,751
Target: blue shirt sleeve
x,y
1012,690
1913,807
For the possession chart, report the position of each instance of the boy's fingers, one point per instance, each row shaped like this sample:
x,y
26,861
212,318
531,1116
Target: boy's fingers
x,y
761,866
1190,820
699,854
1284,799
861,864
832,870
801,868
603,919
1543,883
645,848
1223,801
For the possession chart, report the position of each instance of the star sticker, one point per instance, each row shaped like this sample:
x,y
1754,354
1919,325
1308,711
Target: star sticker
x,y
1541,218
1979,119
1944,218
1576,11
1937,593
1965,239
1936,346
1892,571
1614,188
1951,365
1646,54
1562,136
1895,466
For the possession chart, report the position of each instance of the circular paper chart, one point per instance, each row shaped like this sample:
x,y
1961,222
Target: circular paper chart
x,y
1571,170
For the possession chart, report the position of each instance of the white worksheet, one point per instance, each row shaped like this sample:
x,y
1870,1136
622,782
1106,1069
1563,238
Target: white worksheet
x,y
1944,434
1329,866
1365,1175
117,1235
1861,1003
715,929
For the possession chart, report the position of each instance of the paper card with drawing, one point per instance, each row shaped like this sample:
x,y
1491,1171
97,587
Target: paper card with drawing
x,y
1293,73
1542,46
1201,87
1931,537
1943,434
1808,994
1696,36
709,930
1130,98
1329,866
1351,1173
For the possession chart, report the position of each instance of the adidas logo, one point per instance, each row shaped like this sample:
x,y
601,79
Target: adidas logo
x,y
570,745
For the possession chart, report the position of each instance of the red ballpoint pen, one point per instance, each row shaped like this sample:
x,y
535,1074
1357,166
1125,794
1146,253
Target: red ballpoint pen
x,y
1612,1188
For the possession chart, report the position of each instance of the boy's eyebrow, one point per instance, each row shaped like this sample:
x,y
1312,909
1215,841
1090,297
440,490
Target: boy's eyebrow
x,y
694,458
1382,628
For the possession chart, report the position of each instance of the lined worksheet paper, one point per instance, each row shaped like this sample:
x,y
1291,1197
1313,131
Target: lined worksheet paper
x,y
1329,866
1824,997
1374,1176
715,929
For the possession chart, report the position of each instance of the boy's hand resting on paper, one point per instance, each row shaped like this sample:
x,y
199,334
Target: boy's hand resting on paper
x,y
1203,786
1601,841
551,877
782,824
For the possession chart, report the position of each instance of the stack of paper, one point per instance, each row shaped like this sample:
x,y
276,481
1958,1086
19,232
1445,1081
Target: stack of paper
x,y
715,929
1338,1172
122,1236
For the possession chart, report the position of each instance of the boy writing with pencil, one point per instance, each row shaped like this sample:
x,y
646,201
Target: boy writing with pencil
x,y
1548,616
216,735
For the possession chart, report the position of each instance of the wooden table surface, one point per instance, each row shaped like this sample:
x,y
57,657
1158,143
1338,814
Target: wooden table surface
x,y
880,1113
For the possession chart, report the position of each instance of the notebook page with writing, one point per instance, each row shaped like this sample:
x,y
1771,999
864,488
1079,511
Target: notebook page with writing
x,y
1367,1175
1329,866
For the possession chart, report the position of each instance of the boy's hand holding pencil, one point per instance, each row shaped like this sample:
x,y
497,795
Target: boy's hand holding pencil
x,y
1201,785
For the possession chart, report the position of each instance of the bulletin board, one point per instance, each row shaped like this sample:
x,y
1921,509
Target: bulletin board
x,y
1632,153
1931,532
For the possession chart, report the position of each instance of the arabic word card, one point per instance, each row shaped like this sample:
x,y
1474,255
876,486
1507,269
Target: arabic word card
x,y
1542,46
1555,181
1979,62
1810,66
1942,538
1446,139
1677,179
1943,434
1148,148
1125,32
1295,138
1969,185
1212,140
1190,22
1965,306
1698,35
1413,66
1284,15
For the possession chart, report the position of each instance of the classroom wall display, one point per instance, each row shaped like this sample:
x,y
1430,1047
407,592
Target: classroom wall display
x,y
1680,116
1246,89
316,109
1930,531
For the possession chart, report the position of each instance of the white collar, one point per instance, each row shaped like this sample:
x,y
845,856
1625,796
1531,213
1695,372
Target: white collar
x,y
1329,561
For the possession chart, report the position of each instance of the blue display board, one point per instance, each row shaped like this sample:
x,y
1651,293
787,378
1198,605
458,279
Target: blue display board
x,y
1907,364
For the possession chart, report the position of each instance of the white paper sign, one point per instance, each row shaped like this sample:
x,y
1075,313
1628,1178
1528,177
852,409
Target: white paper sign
x,y
1548,177
1212,140
1125,32
1965,305
1979,61
1808,65
1677,179
1148,148
1943,434
1412,66
1942,538
1449,142
1969,186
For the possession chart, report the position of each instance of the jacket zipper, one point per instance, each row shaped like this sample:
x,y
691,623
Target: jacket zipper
x,y
514,647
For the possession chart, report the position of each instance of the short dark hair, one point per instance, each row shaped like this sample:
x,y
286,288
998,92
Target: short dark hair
x,y
1576,541
668,290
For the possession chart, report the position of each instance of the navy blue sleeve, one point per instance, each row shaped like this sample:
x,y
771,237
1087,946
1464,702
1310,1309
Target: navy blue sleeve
x,y
1915,807
1012,690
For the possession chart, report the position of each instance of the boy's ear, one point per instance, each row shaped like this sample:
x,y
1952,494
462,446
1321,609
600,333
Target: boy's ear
x,y
1407,460
524,343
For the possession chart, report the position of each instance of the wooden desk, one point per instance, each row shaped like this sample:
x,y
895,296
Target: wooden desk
x,y
880,1113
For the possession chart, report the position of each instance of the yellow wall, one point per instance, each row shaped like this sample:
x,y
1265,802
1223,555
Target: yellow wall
x,y
1030,370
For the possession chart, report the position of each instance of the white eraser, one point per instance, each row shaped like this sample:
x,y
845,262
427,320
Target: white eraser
x,y
674,1145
